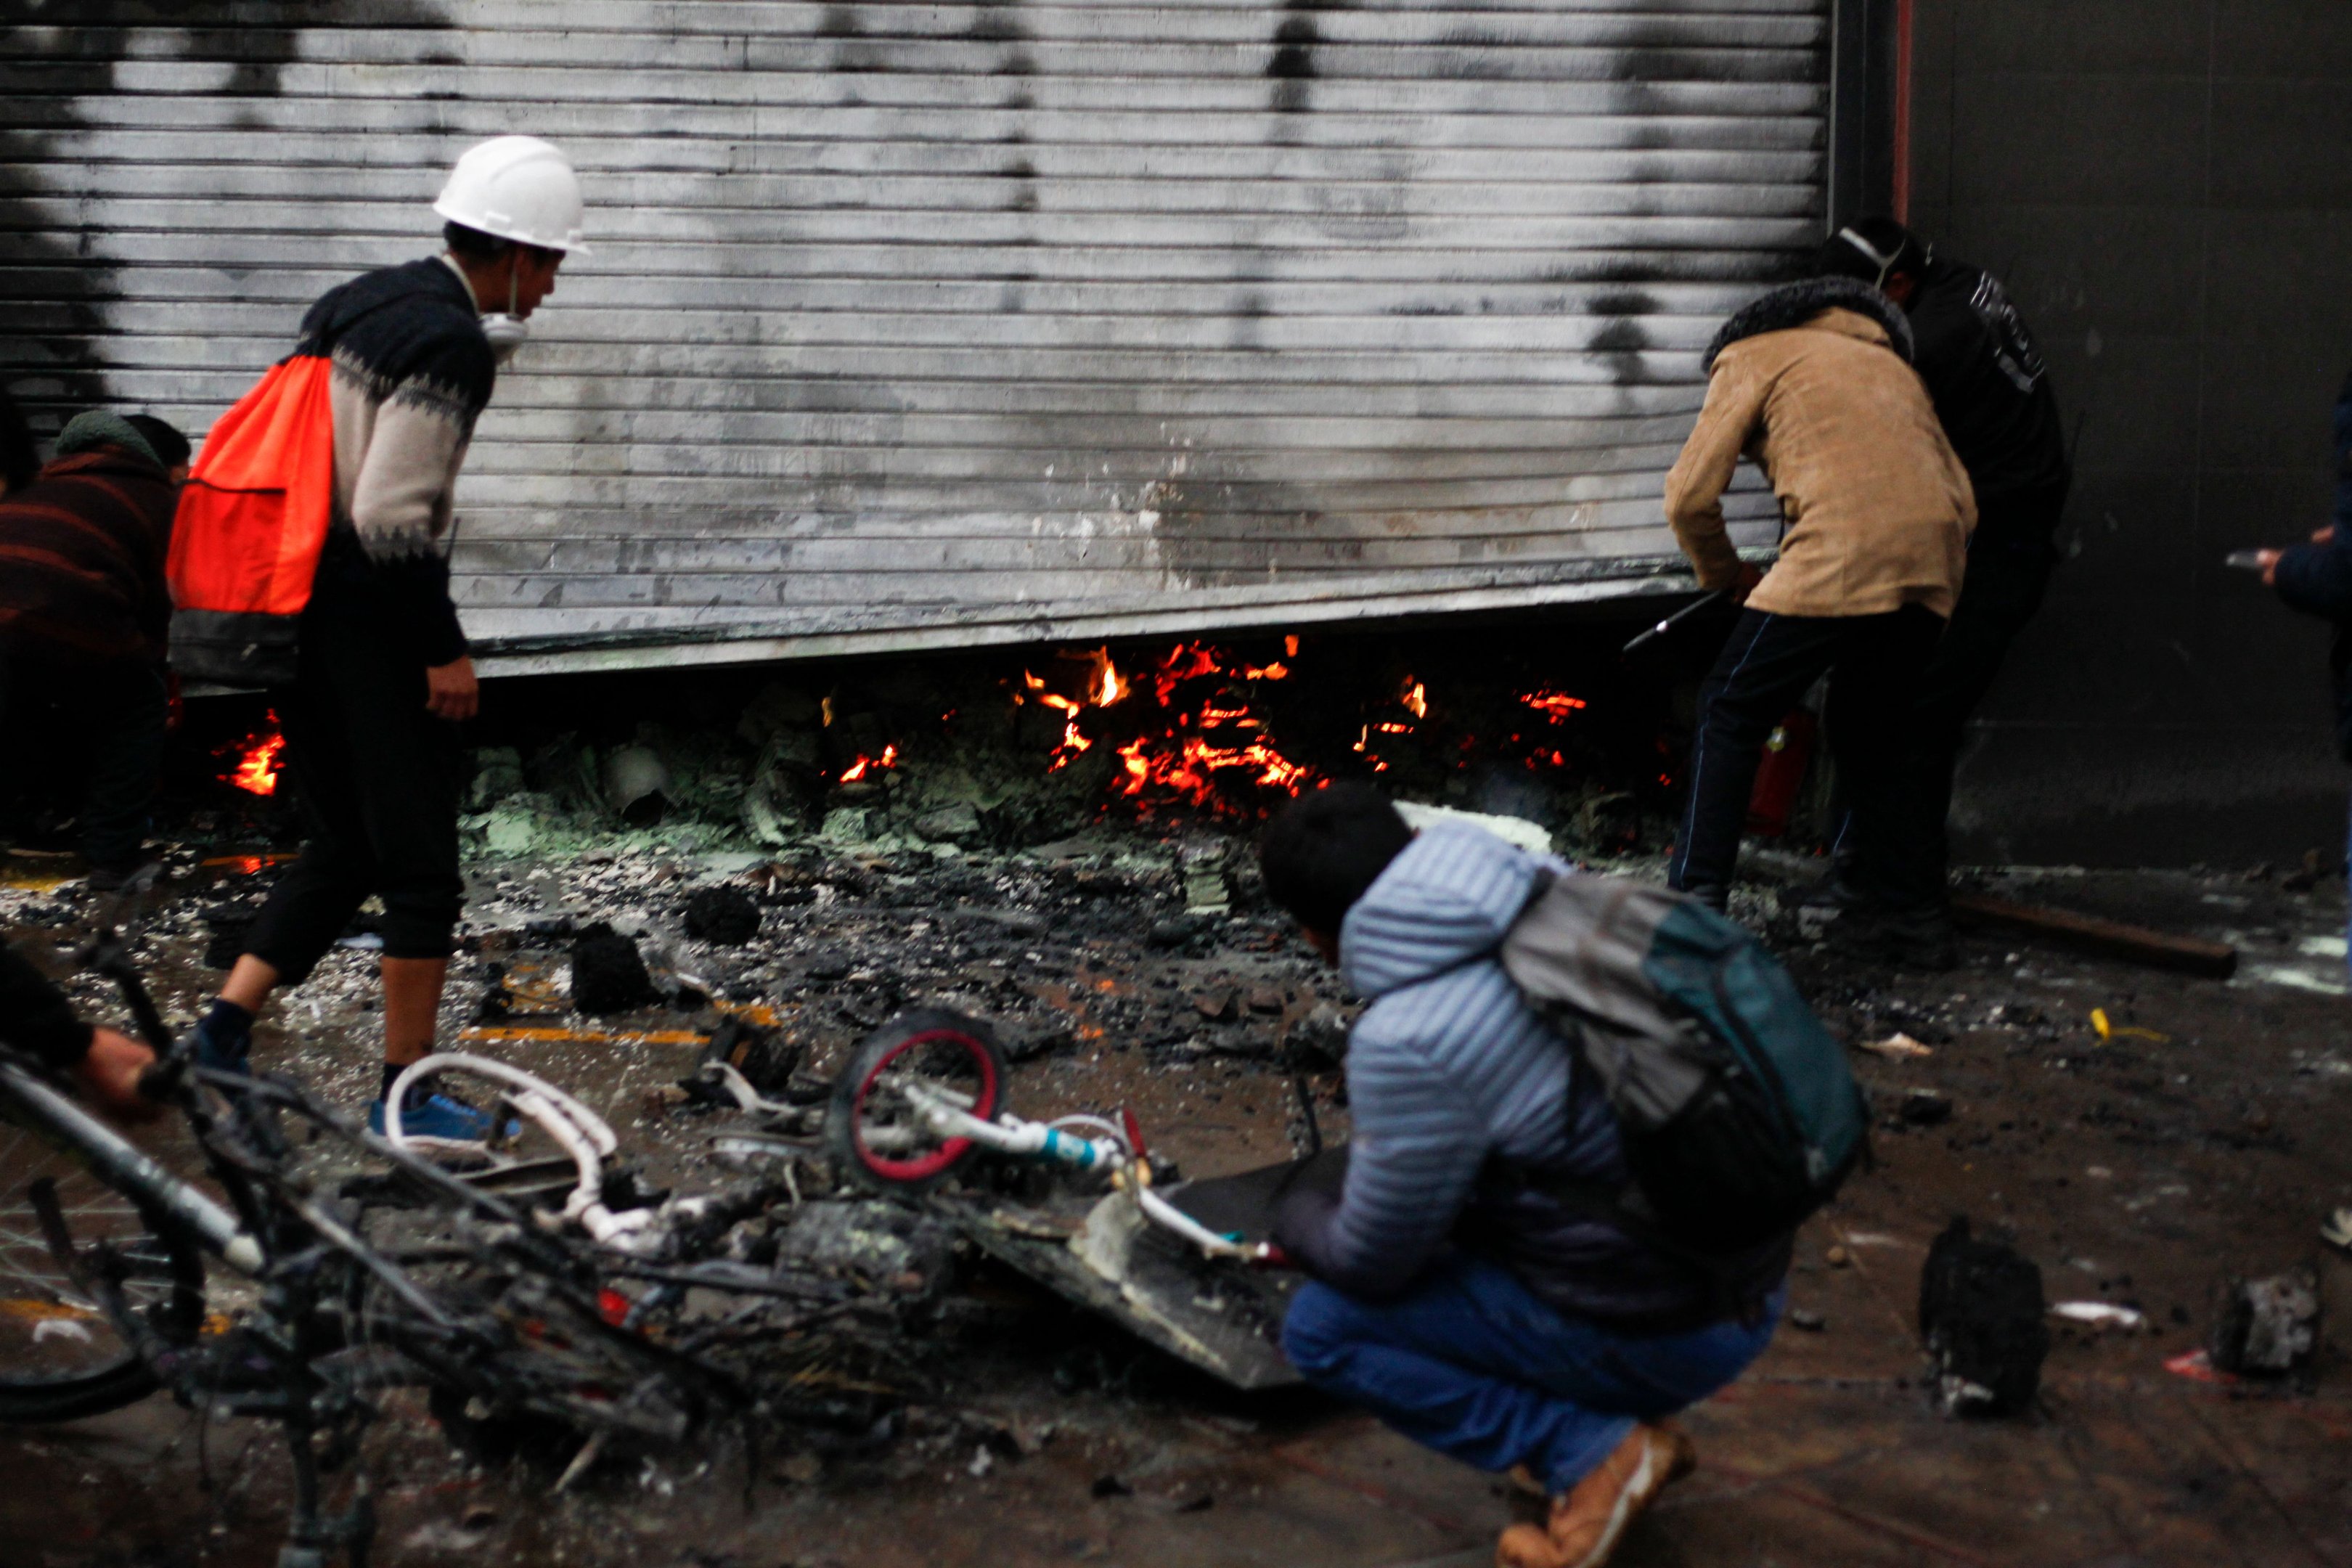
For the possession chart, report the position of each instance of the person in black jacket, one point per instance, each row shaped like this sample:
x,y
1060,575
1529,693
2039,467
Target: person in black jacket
x,y
1992,393
2316,578
36,1019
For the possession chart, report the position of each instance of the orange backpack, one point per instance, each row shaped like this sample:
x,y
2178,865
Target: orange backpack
x,y
251,522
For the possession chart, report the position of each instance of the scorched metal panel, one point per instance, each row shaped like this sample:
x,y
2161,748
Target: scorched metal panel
x,y
924,324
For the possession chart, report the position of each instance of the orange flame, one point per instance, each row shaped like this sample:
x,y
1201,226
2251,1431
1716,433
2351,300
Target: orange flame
x,y
257,770
858,769
1415,697
1223,733
1109,685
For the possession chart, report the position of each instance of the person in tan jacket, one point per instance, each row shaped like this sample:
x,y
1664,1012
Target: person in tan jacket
x,y
1813,383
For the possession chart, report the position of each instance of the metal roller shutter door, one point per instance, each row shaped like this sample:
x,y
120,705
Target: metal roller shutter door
x,y
926,324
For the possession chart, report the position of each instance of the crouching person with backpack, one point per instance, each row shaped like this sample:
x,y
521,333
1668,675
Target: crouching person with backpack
x,y
1490,1279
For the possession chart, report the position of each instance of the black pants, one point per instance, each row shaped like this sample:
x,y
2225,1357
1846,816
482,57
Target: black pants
x,y
1874,663
2010,560
376,778
119,711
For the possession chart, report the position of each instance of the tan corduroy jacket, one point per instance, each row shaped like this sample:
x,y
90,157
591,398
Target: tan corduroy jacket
x,y
1878,509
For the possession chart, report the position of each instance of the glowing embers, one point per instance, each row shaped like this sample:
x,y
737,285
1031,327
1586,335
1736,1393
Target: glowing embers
x,y
1205,737
1411,707
257,763
1554,705
866,765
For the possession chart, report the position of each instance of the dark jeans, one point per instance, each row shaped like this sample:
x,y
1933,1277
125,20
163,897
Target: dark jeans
x,y
119,709
2010,562
1875,664
376,781
1472,1364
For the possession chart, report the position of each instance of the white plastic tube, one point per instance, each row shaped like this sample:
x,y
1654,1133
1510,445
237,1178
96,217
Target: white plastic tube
x,y
578,1131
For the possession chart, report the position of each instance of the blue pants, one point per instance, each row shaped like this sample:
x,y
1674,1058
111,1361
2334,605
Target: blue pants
x,y
1471,1363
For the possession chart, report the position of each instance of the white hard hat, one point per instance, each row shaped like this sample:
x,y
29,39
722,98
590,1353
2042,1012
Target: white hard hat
x,y
518,188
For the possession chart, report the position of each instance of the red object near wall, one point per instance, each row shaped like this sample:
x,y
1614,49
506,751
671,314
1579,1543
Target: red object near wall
x,y
1788,752
253,514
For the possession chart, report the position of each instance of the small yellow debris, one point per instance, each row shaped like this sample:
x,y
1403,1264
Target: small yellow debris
x,y
2113,1031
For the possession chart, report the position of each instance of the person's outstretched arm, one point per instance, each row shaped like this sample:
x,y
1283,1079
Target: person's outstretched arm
x,y
1415,1156
36,1018
2316,578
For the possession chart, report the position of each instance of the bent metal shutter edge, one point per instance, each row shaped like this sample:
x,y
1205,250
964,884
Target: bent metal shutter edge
x,y
919,325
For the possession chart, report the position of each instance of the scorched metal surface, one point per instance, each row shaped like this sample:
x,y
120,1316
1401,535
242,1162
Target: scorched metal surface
x,y
919,325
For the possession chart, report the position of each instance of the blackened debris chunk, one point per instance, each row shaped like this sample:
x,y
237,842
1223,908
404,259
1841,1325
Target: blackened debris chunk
x,y
1924,1108
875,1240
1980,1313
608,973
2266,1325
765,1058
724,915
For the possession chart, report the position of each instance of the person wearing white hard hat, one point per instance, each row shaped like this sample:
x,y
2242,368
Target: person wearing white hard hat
x,y
383,674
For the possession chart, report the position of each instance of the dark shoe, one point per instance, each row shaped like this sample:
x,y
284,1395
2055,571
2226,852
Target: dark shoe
x,y
1916,938
114,878
1713,895
1833,895
1920,937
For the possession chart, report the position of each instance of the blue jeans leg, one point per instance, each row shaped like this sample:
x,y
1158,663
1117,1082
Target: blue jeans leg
x,y
1471,1363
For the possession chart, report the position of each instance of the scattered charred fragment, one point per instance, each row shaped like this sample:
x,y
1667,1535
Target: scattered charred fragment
x,y
2267,1327
1981,1316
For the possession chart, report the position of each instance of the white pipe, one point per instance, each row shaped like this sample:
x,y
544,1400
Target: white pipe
x,y
578,1115
1167,1213
582,1133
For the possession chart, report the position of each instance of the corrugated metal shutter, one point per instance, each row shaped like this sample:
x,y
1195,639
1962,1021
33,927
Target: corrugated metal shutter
x,y
912,324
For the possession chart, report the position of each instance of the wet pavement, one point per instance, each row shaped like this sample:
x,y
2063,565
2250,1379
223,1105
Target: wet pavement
x,y
2136,1168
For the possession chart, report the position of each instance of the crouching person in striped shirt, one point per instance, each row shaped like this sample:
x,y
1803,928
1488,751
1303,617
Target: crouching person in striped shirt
x,y
1473,1312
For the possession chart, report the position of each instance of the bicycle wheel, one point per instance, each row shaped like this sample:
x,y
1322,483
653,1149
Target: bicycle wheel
x,y
61,1357
873,1129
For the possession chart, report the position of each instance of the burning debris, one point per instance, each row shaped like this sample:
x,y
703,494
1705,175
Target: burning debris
x,y
977,753
258,758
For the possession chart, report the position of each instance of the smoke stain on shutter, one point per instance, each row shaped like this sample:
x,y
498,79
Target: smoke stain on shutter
x,y
68,59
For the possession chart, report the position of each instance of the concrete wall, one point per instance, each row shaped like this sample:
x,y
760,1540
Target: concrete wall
x,y
2165,187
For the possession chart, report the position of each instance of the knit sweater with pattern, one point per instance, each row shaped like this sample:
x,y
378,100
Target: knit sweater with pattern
x,y
413,371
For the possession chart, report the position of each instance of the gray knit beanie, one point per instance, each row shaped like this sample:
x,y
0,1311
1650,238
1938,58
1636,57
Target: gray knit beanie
x,y
86,432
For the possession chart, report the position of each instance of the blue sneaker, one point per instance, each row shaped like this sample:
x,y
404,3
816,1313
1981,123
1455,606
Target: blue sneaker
x,y
439,1121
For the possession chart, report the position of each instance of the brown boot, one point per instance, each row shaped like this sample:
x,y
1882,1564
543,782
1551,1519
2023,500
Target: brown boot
x,y
1586,1525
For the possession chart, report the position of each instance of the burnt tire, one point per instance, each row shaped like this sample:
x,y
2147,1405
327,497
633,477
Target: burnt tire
x,y
869,1131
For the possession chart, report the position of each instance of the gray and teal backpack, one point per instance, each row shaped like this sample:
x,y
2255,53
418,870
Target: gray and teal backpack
x,y
1736,1108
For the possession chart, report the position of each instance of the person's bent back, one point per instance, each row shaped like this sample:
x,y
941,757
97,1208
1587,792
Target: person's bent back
x,y
1458,1294
1814,383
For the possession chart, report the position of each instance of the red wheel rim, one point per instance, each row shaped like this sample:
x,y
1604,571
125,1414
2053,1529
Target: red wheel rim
x,y
931,1164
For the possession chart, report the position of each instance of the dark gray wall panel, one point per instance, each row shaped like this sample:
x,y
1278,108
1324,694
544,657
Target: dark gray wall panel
x,y
921,323
2163,184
